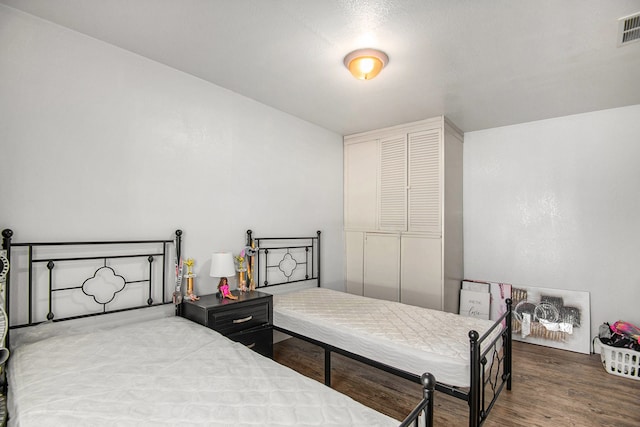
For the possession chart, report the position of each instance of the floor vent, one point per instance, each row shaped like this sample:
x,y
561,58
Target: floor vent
x,y
628,29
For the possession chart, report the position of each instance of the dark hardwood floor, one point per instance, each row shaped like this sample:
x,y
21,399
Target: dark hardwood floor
x,y
550,388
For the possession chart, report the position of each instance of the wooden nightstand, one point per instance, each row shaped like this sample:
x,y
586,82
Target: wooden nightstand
x,y
247,320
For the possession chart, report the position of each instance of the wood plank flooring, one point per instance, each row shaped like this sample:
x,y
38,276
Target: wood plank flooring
x,y
550,388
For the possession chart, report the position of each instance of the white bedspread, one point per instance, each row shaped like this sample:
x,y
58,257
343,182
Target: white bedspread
x,y
410,338
167,372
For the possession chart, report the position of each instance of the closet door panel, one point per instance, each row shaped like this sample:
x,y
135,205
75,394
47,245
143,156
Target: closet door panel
x,y
360,181
354,248
424,182
421,273
382,266
393,183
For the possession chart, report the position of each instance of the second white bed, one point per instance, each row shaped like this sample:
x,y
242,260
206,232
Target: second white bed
x,y
406,337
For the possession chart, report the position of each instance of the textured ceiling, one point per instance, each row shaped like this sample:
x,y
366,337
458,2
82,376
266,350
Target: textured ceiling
x,y
481,63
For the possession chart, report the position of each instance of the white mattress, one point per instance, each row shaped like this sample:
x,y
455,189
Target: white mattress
x,y
167,372
410,338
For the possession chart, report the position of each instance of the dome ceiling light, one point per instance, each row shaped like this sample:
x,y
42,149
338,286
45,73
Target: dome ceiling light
x,y
365,64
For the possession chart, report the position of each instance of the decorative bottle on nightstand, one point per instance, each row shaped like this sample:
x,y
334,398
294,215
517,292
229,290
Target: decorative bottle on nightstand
x,y
190,276
242,282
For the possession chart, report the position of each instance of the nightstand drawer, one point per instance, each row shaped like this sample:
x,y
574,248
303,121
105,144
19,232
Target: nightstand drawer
x,y
242,317
259,340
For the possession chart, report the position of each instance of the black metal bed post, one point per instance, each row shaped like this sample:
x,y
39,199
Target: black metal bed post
x,y
508,348
248,243
318,233
178,241
255,271
425,406
30,283
327,367
474,385
178,244
165,263
7,234
429,389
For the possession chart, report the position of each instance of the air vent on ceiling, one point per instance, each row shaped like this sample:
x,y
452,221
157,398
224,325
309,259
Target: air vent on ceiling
x,y
629,29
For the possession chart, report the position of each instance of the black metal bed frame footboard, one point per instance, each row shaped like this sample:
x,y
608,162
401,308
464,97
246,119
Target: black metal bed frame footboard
x,y
495,376
148,251
490,359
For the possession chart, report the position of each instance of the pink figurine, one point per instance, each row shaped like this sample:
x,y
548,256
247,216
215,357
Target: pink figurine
x,y
223,288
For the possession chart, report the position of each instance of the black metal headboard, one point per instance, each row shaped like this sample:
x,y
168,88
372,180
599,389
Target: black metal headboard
x,y
285,260
96,274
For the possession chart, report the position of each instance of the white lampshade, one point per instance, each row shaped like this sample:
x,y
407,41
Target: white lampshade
x,y
222,265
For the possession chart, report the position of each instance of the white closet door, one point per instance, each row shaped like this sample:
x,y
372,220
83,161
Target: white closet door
x,y
360,181
354,248
421,280
393,183
382,266
424,199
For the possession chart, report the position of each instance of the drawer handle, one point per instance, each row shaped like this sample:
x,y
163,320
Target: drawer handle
x,y
251,345
246,319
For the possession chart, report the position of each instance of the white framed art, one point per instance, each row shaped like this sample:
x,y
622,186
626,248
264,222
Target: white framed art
x,y
552,317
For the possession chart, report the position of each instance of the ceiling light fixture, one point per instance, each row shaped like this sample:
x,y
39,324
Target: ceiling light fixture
x,y
365,64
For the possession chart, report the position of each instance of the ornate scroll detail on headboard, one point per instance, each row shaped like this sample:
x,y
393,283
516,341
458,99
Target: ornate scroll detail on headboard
x,y
284,260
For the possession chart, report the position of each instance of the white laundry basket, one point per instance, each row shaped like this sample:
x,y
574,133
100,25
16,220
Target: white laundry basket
x,y
618,361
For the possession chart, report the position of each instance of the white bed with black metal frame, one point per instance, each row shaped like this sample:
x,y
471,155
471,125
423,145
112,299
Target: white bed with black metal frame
x,y
130,368
471,358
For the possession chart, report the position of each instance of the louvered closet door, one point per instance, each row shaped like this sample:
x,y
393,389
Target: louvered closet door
x,y
424,199
393,183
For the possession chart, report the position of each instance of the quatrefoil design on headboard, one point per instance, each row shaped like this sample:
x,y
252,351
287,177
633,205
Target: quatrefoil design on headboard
x,y
104,285
288,265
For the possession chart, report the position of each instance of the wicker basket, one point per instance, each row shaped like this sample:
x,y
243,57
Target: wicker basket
x,y
618,361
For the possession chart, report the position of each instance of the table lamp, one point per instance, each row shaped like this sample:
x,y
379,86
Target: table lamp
x,y
222,266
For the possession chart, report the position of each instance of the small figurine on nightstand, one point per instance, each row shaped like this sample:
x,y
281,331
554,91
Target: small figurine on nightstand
x,y
242,283
223,288
190,276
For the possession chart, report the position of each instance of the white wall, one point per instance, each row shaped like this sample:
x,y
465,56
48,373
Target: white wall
x,y
556,204
99,143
